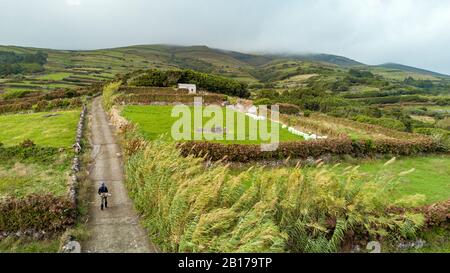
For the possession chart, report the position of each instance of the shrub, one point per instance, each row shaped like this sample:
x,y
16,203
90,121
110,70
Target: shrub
x,y
28,152
439,135
262,102
16,107
109,94
289,109
444,123
15,94
35,212
436,215
40,106
385,122
394,99
27,143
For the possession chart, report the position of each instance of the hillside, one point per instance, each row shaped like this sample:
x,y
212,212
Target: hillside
x,y
86,65
327,58
416,70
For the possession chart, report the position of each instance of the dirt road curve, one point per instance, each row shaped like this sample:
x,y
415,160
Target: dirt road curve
x,y
116,229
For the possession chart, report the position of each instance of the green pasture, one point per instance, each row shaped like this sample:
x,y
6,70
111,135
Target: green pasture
x,y
154,121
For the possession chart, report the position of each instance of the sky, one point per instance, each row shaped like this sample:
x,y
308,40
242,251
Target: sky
x,y
411,32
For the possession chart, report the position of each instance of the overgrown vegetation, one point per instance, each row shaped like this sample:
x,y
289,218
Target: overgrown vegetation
x,y
36,212
362,95
208,82
109,94
314,149
189,208
12,63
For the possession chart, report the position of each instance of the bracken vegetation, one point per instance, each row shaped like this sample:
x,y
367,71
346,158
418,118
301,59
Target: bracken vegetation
x,y
188,207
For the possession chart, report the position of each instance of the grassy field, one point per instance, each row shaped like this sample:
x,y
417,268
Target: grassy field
x,y
155,121
431,175
44,130
58,76
21,179
10,245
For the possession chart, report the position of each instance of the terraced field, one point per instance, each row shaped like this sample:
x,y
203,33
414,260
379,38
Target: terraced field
x,y
52,129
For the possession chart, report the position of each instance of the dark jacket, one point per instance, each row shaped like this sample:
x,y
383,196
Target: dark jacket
x,y
102,189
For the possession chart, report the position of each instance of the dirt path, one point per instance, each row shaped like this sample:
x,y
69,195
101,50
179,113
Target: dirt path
x,y
116,229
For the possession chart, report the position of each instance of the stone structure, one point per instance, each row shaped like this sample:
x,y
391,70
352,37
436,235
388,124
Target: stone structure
x,y
192,88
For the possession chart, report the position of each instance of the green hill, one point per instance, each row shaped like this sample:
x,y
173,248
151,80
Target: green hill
x,y
72,68
411,69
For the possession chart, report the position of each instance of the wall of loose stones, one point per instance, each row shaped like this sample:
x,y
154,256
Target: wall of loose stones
x,y
76,165
69,246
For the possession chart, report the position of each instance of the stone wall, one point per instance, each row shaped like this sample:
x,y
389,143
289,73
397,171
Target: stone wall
x,y
76,166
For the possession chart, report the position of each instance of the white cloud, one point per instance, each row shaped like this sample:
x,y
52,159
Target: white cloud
x,y
73,2
413,32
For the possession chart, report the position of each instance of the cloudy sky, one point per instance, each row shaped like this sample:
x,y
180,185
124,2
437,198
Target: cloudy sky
x,y
412,32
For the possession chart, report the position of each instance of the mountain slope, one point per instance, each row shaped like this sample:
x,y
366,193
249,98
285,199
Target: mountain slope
x,y
411,69
321,58
241,66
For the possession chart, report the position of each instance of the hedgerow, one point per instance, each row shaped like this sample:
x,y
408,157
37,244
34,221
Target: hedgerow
x,y
439,135
305,149
41,105
44,101
394,99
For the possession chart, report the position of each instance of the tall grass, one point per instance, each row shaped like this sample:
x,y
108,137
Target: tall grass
x,y
188,207
109,94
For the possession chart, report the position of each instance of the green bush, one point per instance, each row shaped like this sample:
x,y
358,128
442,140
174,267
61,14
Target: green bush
x,y
440,135
385,122
15,94
27,151
289,109
262,102
394,99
